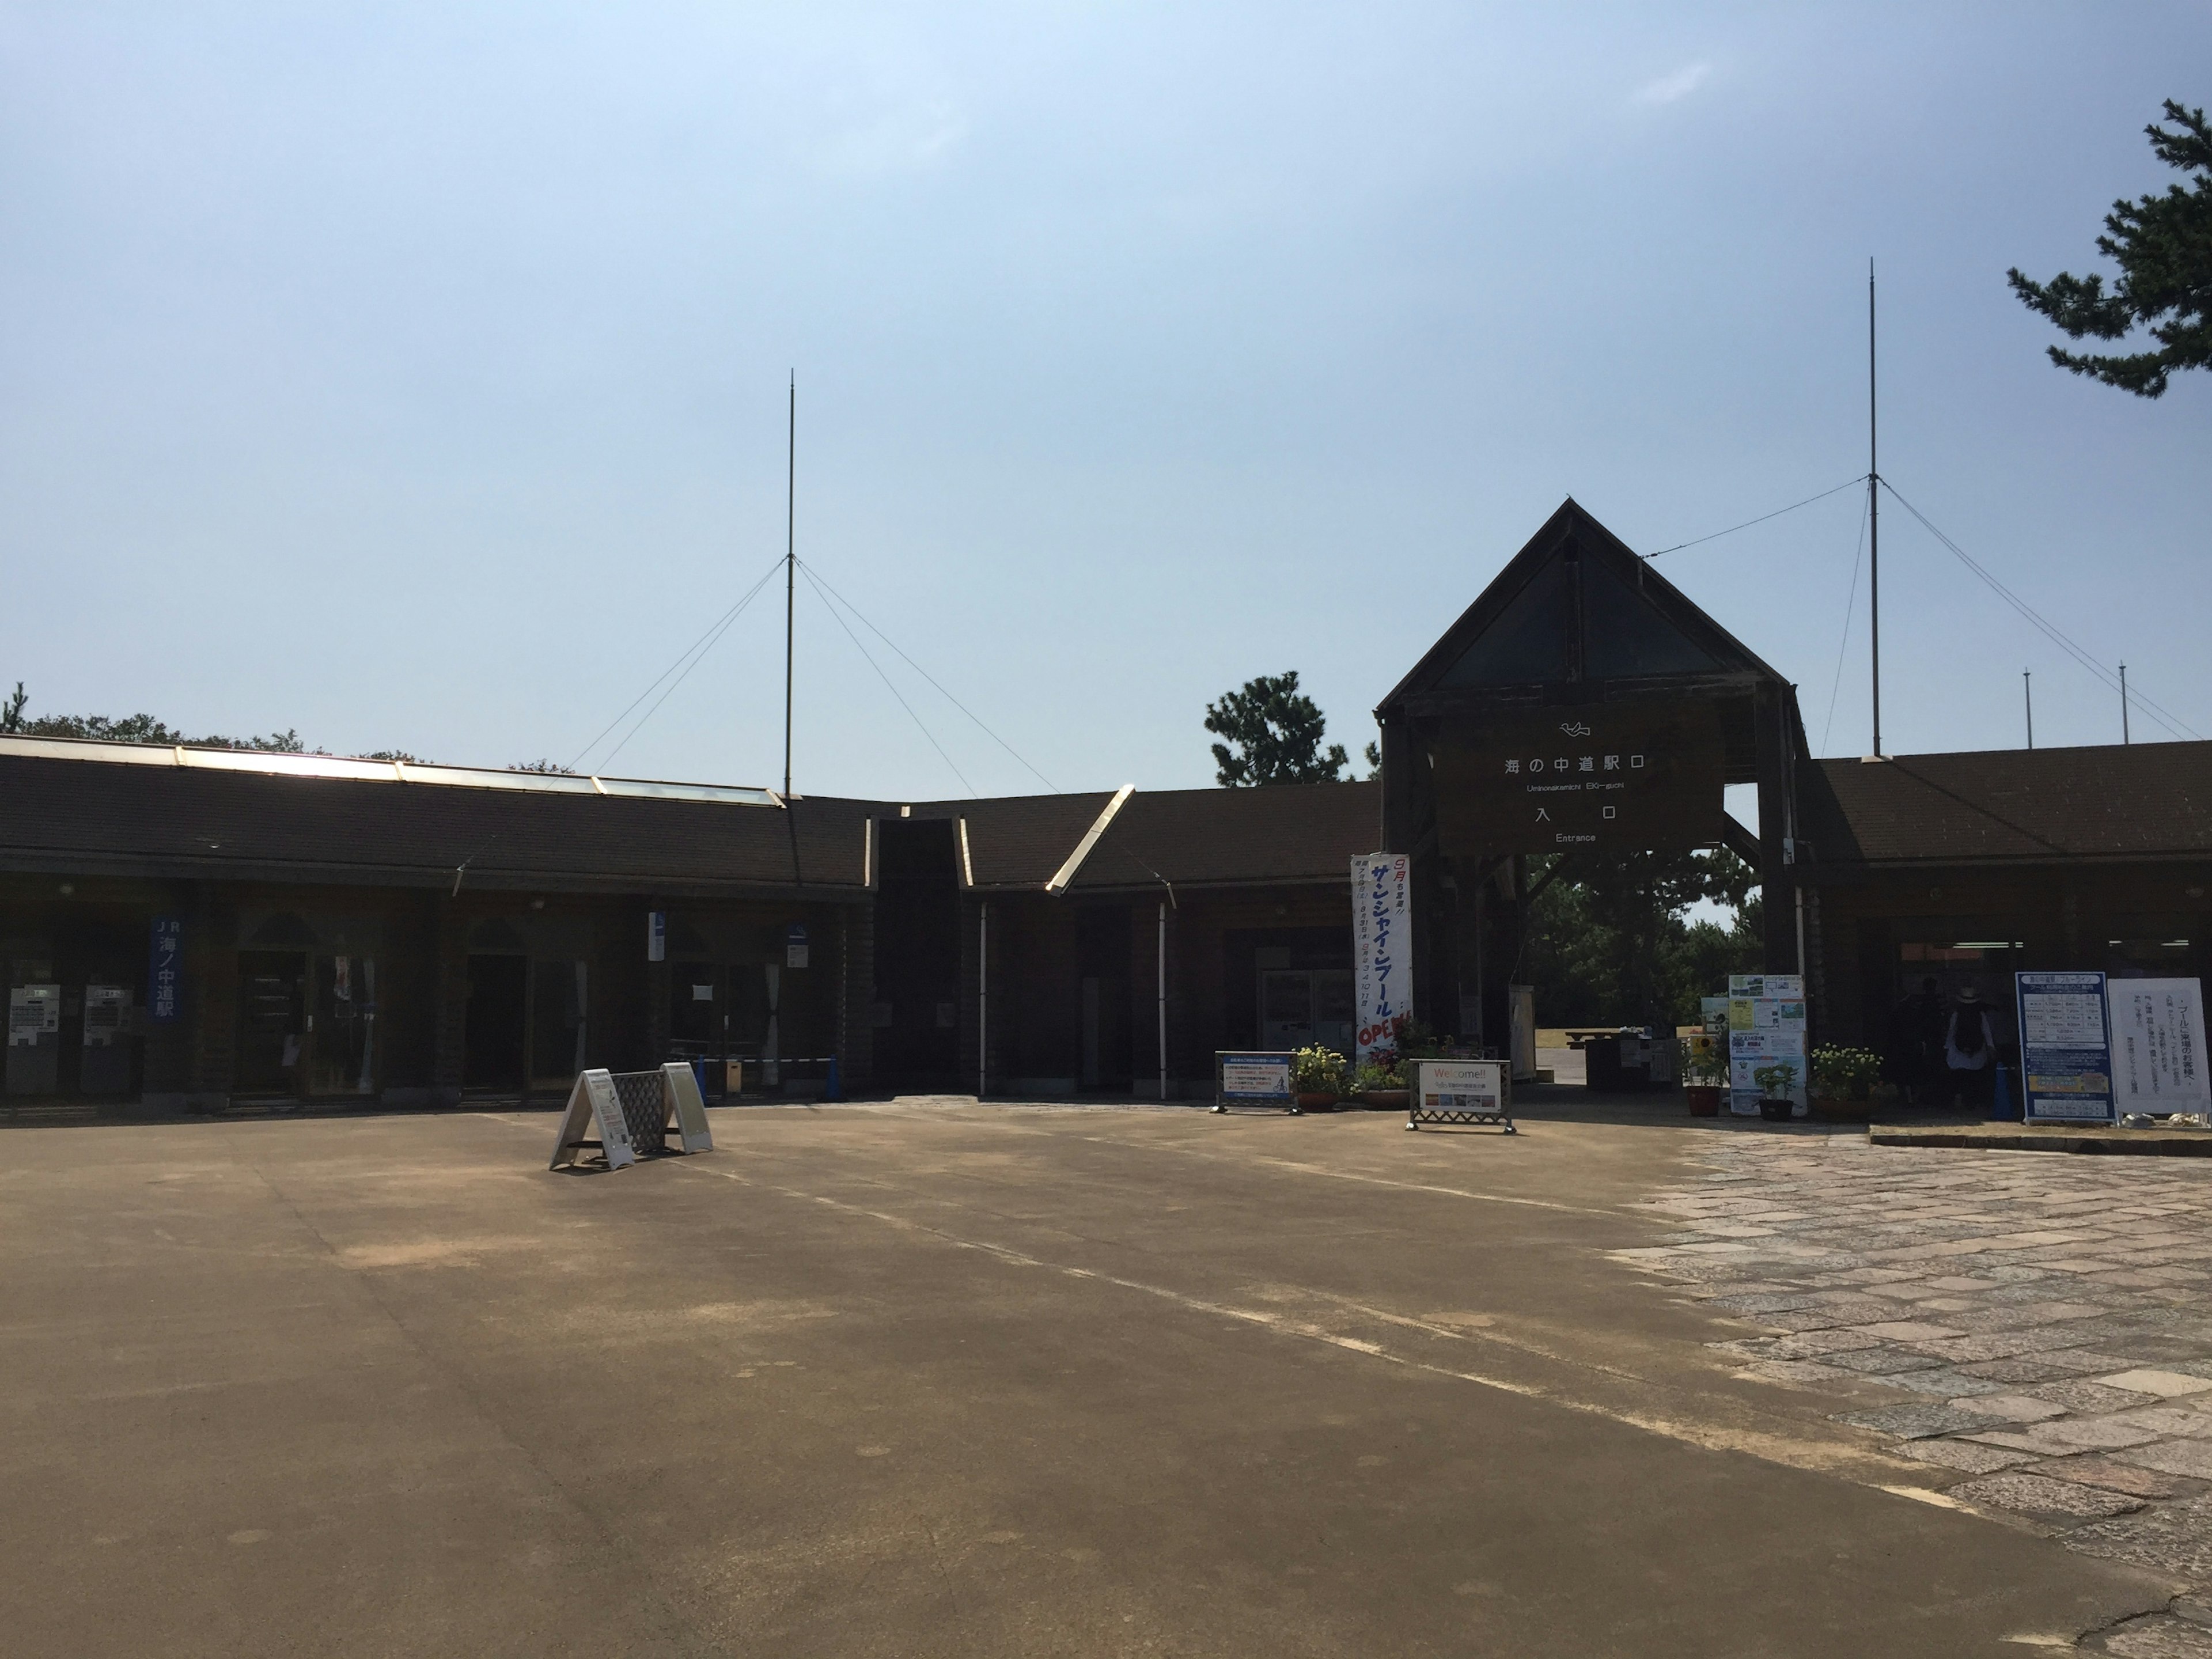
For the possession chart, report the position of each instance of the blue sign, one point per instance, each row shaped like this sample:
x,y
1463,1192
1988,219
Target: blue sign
x,y
2065,1048
165,972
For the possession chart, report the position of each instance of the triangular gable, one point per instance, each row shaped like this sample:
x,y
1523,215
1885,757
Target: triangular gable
x,y
1575,603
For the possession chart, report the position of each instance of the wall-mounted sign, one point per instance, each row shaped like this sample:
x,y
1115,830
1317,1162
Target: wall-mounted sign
x,y
1382,949
2158,1045
795,945
2065,1048
1552,779
165,972
656,936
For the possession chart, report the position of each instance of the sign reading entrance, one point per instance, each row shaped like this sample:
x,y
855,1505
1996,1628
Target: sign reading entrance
x,y
1551,780
2065,1048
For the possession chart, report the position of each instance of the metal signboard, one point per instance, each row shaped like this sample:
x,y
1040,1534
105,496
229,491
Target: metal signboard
x,y
1383,957
795,945
593,1104
1459,1091
682,1085
1249,1078
656,936
2065,1048
165,971
1550,779
2158,1045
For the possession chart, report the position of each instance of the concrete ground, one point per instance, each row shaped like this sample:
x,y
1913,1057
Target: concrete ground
x,y
934,1378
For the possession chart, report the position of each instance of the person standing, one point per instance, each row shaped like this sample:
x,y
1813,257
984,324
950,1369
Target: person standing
x,y
1915,1041
1970,1049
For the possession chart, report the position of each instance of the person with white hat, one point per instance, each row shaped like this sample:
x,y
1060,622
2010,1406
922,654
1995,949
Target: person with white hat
x,y
1970,1049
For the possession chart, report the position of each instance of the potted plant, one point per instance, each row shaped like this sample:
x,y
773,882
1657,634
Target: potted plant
x,y
1775,1083
1843,1082
1705,1076
1380,1082
1317,1078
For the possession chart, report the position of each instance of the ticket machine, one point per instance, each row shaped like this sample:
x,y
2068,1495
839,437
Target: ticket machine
x,y
34,1039
104,1067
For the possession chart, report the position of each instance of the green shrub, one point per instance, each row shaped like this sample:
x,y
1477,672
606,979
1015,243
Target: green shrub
x,y
1317,1071
1845,1073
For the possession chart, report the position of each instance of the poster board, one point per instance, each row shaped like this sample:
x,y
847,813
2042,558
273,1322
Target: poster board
x,y
2065,1048
1250,1078
1764,1031
2157,1032
593,1106
1459,1091
1382,950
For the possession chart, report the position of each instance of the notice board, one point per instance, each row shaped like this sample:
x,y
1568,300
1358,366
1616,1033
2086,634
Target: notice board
x,y
2065,1048
2158,1045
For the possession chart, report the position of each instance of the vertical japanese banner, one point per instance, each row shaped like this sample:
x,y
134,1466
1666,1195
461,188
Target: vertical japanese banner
x,y
1381,942
165,970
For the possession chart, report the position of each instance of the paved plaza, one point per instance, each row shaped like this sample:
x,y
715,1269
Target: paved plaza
x,y
2044,1320
931,1378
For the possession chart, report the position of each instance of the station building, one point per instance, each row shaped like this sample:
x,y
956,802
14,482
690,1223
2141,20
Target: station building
x,y
198,928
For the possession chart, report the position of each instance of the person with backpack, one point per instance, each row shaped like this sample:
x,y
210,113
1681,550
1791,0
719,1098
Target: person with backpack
x,y
1970,1049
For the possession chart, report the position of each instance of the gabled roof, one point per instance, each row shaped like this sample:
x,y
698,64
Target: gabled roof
x,y
1286,834
1534,626
1015,840
2023,805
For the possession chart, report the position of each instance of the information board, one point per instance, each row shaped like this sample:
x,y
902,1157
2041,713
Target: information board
x,y
1261,1078
1458,1091
2065,1048
2158,1045
593,1103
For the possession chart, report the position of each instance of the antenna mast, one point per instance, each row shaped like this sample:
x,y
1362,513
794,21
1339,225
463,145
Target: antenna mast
x,y
790,568
1873,517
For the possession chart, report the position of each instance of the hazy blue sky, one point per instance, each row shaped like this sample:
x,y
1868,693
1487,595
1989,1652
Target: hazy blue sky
x,y
415,375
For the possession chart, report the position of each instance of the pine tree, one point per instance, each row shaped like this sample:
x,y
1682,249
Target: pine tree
x,y
2163,247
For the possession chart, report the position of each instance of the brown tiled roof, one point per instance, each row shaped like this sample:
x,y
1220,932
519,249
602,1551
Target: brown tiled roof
x,y
1285,833
2139,800
87,815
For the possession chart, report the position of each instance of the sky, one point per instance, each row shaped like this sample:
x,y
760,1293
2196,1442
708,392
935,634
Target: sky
x,y
415,376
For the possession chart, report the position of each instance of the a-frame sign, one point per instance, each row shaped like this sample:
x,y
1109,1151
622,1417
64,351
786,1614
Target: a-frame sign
x,y
626,1114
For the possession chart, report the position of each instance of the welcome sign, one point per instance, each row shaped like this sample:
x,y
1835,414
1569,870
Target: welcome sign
x,y
1551,780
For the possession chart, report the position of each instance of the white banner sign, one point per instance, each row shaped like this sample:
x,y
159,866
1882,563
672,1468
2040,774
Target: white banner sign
x,y
2158,1044
1381,941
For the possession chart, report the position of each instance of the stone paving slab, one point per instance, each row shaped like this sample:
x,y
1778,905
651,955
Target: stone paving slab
x,y
2045,1323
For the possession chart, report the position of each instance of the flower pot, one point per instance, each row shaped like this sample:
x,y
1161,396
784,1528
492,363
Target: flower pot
x,y
1704,1099
1774,1111
1320,1100
1388,1100
1829,1108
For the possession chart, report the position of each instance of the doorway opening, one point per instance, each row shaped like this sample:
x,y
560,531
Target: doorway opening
x,y
492,1037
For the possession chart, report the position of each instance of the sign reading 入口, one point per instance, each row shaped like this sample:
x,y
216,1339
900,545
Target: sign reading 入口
x,y
1383,957
1550,779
